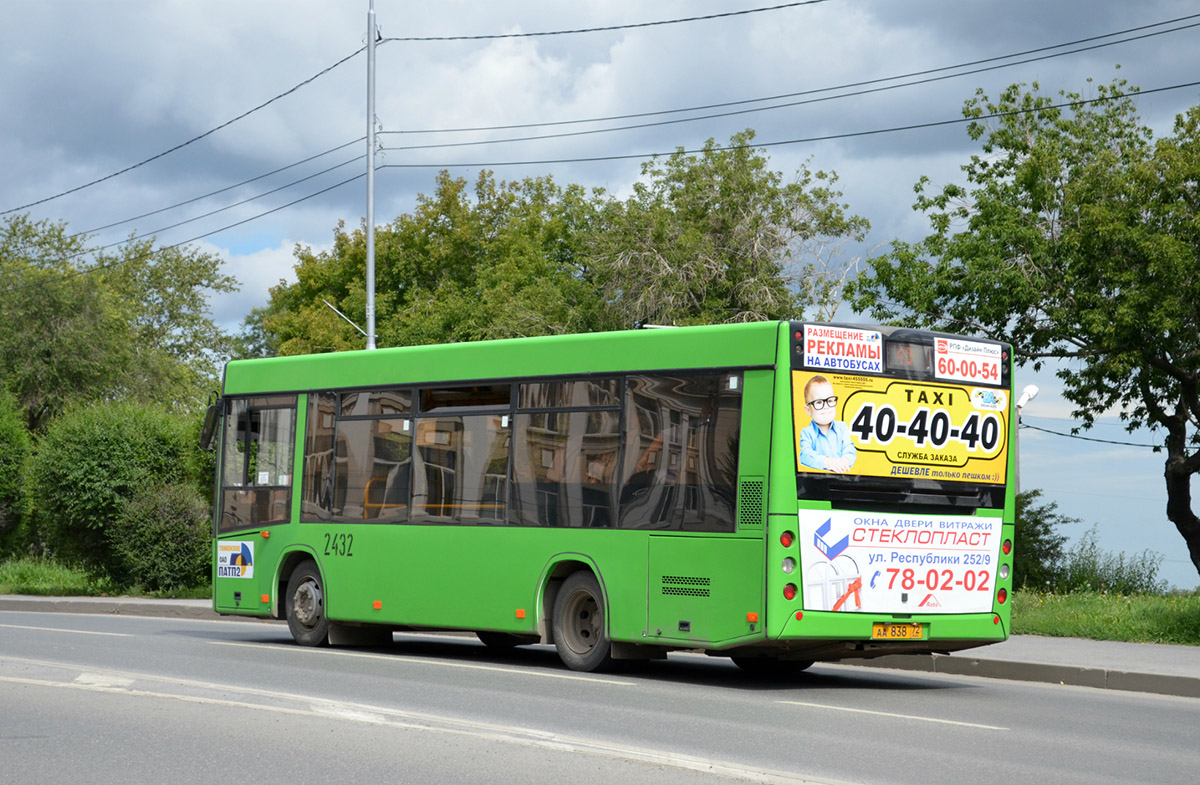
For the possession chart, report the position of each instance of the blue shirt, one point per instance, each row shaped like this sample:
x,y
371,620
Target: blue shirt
x,y
817,445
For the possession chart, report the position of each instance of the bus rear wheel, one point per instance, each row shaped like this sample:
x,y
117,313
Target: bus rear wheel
x,y
580,624
305,605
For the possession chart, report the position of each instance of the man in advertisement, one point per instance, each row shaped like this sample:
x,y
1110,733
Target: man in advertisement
x,y
825,443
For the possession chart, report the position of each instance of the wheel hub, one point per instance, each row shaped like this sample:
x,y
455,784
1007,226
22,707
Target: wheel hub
x,y
308,604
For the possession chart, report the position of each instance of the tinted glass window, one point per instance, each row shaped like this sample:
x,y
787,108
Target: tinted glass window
x,y
565,468
317,501
374,404
681,447
461,469
434,399
256,461
374,466
583,393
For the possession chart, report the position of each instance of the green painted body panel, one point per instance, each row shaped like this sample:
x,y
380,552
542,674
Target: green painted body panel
x,y
676,589
734,345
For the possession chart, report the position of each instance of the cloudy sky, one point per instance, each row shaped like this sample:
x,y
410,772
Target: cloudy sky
x,y
90,90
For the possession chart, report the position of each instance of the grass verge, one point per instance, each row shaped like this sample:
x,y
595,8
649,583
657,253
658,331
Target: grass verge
x,y
1138,618
46,578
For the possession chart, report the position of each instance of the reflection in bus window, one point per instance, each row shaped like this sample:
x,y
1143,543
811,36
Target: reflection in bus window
x,y
256,461
680,467
565,467
373,468
461,469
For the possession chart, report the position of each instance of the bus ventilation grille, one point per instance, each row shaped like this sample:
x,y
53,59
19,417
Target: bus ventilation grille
x,y
750,504
678,586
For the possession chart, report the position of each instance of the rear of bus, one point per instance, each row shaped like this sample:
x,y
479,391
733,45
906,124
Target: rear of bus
x,y
898,446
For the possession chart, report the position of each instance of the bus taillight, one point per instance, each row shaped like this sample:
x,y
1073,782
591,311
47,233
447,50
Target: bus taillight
x,y
789,591
1002,596
786,539
1007,547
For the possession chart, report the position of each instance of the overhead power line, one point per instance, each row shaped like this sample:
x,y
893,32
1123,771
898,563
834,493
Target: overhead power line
x,y
246,182
608,28
182,145
117,262
1088,438
784,142
848,85
773,107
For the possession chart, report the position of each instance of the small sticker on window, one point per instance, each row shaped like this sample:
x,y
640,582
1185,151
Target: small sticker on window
x,y
264,478
733,382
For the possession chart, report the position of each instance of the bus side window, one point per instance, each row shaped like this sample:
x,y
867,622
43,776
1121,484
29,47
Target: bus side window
x,y
256,462
681,447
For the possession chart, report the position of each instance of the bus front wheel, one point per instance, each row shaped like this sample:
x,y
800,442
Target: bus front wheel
x,y
306,606
580,624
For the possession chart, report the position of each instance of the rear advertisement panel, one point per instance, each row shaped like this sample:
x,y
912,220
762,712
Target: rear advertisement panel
x,y
880,427
898,563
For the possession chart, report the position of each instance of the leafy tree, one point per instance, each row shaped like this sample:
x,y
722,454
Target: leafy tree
x,y
713,237
504,264
103,326
719,237
14,450
1075,238
1038,549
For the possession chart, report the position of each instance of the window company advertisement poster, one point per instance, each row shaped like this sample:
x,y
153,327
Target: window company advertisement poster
x,y
235,559
879,427
885,563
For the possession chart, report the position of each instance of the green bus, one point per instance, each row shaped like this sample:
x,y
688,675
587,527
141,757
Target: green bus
x,y
775,492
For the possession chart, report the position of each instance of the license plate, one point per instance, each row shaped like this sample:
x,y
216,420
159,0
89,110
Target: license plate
x,y
896,632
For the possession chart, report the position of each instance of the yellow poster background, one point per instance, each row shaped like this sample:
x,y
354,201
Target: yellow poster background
x,y
927,430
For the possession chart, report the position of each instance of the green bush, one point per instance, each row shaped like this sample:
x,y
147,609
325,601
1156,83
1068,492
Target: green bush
x,y
92,461
1087,568
1038,553
14,451
161,539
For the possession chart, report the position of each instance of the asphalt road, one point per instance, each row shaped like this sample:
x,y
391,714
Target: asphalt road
x,y
89,698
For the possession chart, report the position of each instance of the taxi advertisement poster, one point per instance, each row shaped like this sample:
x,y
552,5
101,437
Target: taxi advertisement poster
x,y
886,427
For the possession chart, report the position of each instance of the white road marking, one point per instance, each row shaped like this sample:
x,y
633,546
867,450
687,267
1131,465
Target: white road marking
x,y
895,716
442,663
103,680
402,720
62,629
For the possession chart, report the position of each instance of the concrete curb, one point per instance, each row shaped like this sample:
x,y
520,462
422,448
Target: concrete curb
x,y
172,609
1039,672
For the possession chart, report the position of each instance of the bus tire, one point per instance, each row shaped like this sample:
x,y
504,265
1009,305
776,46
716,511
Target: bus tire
x,y
305,603
580,624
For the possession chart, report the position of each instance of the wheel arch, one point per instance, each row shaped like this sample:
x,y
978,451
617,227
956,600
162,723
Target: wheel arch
x,y
287,564
557,569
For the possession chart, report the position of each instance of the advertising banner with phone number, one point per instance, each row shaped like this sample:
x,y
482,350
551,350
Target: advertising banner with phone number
x,y
879,427
889,563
